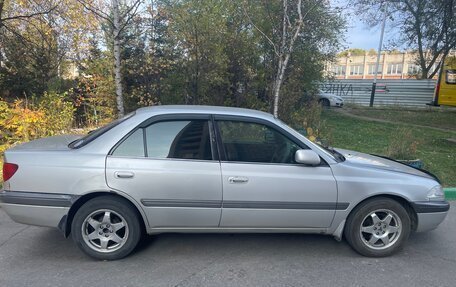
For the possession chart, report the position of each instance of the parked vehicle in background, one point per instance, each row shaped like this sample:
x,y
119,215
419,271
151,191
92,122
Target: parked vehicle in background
x,y
213,169
329,100
445,89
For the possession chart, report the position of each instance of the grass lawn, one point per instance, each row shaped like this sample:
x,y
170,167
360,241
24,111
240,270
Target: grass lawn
x,y
441,118
438,154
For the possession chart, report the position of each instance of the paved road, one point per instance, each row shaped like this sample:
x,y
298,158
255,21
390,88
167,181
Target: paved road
x,y
34,256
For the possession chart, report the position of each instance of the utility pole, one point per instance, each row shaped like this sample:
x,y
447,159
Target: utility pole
x,y
380,45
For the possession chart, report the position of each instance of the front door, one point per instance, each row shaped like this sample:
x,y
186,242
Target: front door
x,y
263,186
169,167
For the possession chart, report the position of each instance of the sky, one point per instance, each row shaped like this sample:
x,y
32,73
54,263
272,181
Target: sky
x,y
360,35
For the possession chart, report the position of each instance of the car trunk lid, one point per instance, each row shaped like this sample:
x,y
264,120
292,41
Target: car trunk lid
x,y
57,143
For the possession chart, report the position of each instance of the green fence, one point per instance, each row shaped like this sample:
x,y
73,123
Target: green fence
x,y
450,193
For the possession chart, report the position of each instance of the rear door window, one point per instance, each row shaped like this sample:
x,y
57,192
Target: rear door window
x,y
169,139
133,146
179,139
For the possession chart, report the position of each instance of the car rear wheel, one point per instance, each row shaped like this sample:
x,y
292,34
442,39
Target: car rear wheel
x,y
106,228
378,227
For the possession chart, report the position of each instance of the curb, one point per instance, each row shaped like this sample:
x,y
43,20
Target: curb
x,y
450,193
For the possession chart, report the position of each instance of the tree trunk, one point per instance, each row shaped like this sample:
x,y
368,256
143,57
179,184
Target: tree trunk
x,y
117,59
286,49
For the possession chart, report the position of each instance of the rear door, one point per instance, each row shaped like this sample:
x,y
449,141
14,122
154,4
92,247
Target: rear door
x,y
170,166
263,186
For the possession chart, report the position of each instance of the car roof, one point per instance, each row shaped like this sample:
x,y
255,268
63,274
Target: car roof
x,y
196,109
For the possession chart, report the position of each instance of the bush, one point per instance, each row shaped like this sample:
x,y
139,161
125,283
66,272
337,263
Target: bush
x,y
21,121
402,145
58,113
308,121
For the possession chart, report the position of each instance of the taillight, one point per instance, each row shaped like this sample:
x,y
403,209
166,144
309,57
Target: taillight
x,y
9,169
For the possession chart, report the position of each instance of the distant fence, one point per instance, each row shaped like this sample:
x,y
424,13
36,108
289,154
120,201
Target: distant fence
x,y
410,93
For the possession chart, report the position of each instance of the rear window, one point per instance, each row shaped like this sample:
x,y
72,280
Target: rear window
x,y
92,135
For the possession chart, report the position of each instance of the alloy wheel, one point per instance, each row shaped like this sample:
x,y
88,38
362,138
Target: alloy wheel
x,y
105,230
380,229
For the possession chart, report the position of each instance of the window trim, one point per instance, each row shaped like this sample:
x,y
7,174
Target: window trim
x,y
393,69
267,123
166,118
359,70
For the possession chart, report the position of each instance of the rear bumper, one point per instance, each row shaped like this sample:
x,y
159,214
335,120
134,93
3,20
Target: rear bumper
x,y
49,216
33,208
430,214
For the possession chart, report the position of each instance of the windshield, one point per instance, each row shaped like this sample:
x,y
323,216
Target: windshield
x,y
98,132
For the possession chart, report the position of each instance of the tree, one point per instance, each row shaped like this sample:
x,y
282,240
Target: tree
x,y
429,27
11,13
233,53
24,10
288,26
227,52
28,47
353,52
148,55
38,38
120,14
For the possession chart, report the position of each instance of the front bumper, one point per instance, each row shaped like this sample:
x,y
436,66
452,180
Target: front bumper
x,y
336,103
430,214
33,208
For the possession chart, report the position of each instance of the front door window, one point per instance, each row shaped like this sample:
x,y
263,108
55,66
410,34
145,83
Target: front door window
x,y
253,142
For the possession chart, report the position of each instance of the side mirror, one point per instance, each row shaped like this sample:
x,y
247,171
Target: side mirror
x,y
307,156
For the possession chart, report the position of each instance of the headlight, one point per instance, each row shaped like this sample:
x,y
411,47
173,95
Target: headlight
x,y
436,193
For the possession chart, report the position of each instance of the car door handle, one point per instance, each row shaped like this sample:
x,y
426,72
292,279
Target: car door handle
x,y
237,179
124,174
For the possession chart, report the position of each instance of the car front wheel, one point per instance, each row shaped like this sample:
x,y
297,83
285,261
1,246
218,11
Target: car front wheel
x,y
106,228
324,103
378,227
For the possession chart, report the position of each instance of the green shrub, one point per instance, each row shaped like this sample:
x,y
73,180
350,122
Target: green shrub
x,y
20,121
402,145
308,120
58,113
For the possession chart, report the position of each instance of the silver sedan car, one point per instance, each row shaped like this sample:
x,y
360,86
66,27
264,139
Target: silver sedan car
x,y
213,169
327,99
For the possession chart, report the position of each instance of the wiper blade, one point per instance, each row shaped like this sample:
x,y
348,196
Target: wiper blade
x,y
337,154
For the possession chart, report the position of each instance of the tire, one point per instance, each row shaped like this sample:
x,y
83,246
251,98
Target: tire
x,y
325,103
106,228
378,227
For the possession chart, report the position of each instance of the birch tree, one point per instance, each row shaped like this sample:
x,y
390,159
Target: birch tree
x,y
117,14
283,39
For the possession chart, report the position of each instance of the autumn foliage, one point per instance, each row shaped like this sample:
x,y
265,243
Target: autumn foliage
x,y
23,121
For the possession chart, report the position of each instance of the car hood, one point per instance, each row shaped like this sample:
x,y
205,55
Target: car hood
x,y
49,143
378,162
